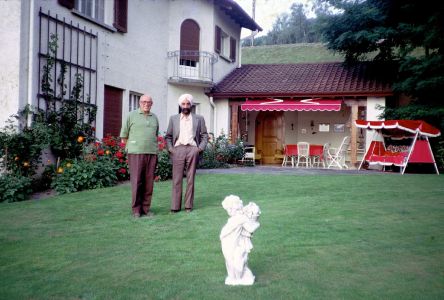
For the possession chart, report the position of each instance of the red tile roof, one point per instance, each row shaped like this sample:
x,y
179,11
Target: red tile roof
x,y
307,79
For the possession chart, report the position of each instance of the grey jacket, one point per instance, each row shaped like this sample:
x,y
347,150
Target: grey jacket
x,y
199,130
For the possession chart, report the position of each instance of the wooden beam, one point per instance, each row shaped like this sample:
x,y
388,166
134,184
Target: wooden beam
x,y
354,135
234,121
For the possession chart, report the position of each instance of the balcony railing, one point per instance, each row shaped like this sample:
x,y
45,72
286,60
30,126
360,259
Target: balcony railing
x,y
191,67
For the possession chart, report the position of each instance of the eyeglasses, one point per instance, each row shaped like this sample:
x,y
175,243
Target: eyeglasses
x,y
146,102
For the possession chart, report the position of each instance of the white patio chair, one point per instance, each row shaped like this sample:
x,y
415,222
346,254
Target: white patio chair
x,y
322,159
249,155
303,153
336,157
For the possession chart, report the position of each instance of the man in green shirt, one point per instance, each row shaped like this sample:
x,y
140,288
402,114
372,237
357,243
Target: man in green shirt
x,y
139,132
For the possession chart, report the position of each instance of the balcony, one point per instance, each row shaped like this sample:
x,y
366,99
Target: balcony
x,y
187,67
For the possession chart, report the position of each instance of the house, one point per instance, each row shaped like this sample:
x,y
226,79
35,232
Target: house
x,y
276,104
113,51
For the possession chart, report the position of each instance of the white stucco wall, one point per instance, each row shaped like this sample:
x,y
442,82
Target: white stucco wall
x,y
133,61
222,117
10,29
222,66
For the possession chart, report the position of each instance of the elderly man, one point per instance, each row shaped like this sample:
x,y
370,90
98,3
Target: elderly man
x,y
186,137
139,133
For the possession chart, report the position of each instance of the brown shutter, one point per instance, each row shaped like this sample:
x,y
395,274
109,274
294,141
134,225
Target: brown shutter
x,y
217,41
189,39
232,49
121,15
112,111
67,3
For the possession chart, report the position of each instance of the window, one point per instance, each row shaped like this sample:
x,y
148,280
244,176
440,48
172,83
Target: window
x,y
134,101
92,8
189,43
225,45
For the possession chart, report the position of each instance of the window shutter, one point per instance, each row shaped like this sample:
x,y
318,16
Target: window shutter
x,y
217,41
189,39
232,48
121,15
67,3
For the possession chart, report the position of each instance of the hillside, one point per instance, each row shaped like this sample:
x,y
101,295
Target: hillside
x,y
291,53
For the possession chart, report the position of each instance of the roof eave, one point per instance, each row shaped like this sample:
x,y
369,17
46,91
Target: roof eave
x,y
238,14
298,94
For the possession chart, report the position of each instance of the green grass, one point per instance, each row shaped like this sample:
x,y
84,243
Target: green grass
x,y
321,237
292,53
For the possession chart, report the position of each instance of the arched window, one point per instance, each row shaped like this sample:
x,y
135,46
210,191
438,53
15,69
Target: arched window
x,y
189,43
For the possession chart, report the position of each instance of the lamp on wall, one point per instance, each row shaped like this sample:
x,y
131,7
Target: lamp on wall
x,y
312,125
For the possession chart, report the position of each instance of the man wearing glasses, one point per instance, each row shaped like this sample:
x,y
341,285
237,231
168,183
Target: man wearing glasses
x,y
139,133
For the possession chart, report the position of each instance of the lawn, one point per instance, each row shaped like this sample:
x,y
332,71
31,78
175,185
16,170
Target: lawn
x,y
321,237
292,53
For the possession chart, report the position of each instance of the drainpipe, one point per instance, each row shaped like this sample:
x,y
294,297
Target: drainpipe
x,y
214,115
30,83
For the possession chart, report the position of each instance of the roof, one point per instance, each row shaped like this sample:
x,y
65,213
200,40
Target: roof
x,y
232,9
331,79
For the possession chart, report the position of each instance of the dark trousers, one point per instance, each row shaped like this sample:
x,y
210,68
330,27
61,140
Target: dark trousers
x,y
185,158
142,168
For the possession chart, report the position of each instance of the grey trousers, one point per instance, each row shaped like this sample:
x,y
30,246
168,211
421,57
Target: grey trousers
x,y
142,168
185,158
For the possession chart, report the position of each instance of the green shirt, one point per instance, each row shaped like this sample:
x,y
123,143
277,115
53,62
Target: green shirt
x,y
141,131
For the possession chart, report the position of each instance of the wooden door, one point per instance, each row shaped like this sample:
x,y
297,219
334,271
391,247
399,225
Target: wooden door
x,y
269,135
112,118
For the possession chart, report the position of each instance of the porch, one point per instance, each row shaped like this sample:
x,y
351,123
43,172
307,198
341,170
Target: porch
x,y
272,126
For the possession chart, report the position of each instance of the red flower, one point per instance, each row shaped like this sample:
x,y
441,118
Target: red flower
x,y
122,170
119,154
120,160
97,144
122,145
100,152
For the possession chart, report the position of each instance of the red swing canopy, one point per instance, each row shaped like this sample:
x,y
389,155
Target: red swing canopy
x,y
398,127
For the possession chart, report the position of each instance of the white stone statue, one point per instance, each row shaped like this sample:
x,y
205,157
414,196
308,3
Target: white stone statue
x,y
235,238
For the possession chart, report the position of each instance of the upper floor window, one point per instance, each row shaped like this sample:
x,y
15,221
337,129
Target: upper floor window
x,y
189,43
225,45
102,12
92,8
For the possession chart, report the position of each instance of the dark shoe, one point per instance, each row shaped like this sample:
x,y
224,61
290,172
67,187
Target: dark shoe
x,y
188,210
149,214
174,211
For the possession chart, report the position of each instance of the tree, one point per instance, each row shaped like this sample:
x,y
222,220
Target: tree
x,y
409,33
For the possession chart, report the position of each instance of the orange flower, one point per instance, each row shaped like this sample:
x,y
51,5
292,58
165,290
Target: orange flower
x,y
80,139
60,170
26,164
68,165
107,152
16,158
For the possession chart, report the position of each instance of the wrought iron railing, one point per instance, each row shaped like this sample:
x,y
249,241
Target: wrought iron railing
x,y
194,65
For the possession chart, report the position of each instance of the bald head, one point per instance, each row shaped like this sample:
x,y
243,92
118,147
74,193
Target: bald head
x,y
145,103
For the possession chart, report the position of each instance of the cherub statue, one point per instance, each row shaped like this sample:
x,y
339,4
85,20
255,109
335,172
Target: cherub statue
x,y
236,239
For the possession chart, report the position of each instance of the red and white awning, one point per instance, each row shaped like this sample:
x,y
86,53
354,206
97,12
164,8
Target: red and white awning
x,y
291,105
411,126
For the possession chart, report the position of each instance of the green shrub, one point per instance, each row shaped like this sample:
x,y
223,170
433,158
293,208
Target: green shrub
x,y
14,188
112,150
164,168
82,175
220,153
